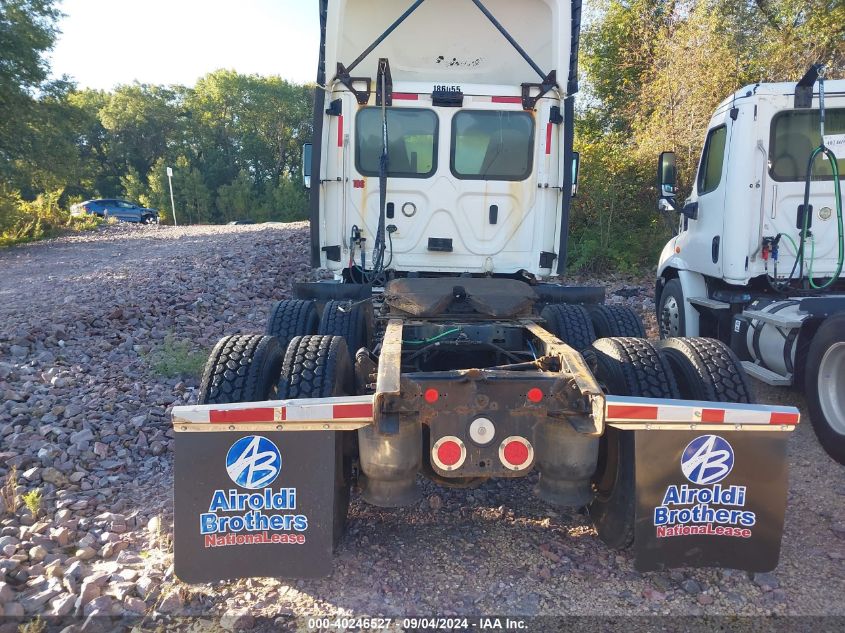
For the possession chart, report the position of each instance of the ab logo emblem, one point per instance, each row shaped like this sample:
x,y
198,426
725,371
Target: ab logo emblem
x,y
253,462
707,460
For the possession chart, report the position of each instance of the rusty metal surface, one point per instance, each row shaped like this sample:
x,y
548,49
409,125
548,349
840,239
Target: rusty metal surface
x,y
497,298
583,381
389,379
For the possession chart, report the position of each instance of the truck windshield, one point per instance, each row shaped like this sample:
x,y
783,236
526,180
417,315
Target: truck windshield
x,y
489,145
412,142
795,134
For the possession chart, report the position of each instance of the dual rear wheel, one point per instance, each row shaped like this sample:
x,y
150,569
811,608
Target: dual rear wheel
x,y
686,368
255,368
580,326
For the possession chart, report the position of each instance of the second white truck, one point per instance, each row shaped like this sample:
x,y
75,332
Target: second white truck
x,y
757,261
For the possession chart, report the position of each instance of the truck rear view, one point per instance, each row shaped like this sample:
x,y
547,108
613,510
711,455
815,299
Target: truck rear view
x,y
441,176
478,138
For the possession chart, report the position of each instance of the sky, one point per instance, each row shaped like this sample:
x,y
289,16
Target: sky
x,y
109,42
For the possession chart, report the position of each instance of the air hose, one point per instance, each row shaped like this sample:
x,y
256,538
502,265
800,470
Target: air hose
x,y
837,189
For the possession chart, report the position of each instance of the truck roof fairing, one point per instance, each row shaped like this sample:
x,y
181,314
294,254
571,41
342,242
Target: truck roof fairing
x,y
451,41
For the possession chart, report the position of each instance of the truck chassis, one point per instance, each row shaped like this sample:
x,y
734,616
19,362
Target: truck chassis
x,y
579,417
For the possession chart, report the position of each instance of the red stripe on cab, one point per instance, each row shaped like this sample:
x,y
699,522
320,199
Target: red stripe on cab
x,y
340,131
631,412
507,99
241,416
406,96
548,139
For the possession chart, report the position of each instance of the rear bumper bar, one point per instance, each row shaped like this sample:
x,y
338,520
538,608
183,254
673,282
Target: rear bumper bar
x,y
350,413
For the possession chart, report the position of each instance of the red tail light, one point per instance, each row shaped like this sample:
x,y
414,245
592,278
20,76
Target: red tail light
x,y
516,453
431,395
449,453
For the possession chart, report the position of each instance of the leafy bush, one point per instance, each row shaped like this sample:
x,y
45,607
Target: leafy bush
x,y
32,501
22,221
177,358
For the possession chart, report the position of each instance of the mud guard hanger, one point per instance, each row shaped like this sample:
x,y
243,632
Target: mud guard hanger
x,y
547,83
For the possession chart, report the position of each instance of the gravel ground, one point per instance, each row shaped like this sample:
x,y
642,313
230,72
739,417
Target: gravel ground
x,y
85,325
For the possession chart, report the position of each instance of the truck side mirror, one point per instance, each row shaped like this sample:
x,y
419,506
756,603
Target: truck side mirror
x,y
576,170
306,165
667,178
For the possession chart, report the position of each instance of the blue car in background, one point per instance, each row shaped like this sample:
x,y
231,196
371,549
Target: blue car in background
x,y
122,210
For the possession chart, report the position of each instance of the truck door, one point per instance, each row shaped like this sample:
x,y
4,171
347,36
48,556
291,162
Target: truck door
x,y
701,240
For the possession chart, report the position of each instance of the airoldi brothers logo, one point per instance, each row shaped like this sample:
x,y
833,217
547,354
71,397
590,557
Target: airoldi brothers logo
x,y
689,510
253,463
707,460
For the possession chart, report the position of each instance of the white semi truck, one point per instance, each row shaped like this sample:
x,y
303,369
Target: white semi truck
x,y
441,175
757,258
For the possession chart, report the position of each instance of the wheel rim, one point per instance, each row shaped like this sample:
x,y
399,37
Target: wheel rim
x,y
831,386
670,318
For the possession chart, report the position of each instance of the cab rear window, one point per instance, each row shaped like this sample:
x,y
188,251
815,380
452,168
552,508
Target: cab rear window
x,y
492,145
411,138
795,134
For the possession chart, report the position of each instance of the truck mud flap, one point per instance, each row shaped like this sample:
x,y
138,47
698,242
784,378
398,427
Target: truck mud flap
x,y
256,504
710,481
709,499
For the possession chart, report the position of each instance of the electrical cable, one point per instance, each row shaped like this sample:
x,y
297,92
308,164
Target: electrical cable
x,y
822,149
376,277
433,338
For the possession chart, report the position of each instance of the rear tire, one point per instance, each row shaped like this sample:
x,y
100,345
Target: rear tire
x,y
626,367
341,318
706,369
241,368
571,324
671,320
824,384
616,321
320,367
291,318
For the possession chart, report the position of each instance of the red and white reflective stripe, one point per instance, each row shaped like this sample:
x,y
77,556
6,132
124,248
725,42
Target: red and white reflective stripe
x,y
623,411
347,408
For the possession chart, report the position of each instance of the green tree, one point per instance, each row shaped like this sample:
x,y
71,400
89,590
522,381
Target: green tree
x,y
144,123
192,195
237,200
27,32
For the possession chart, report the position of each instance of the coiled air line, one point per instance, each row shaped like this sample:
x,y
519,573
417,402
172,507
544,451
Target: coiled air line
x,y
821,149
